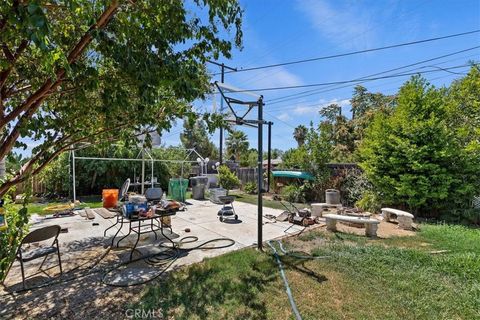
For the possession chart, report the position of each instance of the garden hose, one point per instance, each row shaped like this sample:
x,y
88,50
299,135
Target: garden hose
x,y
90,270
165,258
284,277
299,256
285,281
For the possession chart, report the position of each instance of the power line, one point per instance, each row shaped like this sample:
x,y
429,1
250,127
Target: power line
x,y
357,52
275,117
289,107
259,77
315,91
344,81
316,102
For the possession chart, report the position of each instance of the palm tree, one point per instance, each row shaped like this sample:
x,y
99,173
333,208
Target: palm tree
x,y
237,143
300,133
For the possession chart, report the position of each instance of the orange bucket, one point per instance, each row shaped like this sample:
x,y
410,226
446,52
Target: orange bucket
x,y
110,198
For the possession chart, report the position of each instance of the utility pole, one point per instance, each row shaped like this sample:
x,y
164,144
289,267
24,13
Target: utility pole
x,y
222,80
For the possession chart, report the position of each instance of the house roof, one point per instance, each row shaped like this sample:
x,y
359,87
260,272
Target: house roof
x,y
273,161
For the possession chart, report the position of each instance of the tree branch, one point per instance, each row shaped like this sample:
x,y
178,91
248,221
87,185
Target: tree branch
x,y
26,170
49,85
30,106
12,58
8,54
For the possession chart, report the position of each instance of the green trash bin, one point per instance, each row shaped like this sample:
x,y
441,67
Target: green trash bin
x,y
177,188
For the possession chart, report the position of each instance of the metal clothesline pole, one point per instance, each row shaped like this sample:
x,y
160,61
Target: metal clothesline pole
x,y
143,151
142,187
259,122
131,159
260,176
73,178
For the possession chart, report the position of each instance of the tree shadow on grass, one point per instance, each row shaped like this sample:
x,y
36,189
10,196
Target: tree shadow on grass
x,y
211,290
299,266
77,294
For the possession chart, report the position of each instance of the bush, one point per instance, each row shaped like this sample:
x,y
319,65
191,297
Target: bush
x,y
353,186
295,193
250,188
226,178
416,159
17,222
369,202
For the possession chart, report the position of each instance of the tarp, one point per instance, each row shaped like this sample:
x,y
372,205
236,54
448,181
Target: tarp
x,y
293,174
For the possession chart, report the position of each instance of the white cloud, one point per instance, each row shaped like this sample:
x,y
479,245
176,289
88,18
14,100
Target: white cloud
x,y
284,116
313,109
347,25
266,78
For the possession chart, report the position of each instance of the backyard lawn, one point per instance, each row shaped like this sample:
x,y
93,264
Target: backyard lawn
x,y
37,208
432,275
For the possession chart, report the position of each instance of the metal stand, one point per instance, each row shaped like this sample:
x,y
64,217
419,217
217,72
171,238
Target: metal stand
x,y
141,226
258,123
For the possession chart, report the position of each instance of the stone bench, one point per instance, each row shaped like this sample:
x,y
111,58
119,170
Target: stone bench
x,y
405,219
371,225
318,208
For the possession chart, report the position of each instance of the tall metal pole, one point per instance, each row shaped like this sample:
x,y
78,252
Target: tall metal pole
x,y
220,144
73,175
151,178
260,174
143,170
269,164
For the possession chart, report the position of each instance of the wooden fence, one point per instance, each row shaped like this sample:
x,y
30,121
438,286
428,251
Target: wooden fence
x,y
249,175
36,184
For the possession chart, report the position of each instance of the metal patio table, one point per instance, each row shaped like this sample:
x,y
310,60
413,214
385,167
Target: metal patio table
x,y
142,225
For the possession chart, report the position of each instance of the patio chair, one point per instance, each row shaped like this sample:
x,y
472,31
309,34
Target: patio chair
x,y
38,235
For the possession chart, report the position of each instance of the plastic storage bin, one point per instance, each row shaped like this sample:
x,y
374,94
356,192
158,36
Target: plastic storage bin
x,y
110,198
177,188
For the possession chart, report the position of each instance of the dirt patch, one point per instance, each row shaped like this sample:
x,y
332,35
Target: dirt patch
x,y
385,230
318,236
77,294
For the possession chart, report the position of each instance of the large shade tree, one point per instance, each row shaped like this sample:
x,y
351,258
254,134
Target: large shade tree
x,y
82,71
426,155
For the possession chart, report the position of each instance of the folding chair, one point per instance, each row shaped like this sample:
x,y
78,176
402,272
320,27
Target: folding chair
x,y
38,235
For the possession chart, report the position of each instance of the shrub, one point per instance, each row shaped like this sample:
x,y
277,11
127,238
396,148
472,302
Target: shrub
x,y
353,186
416,159
250,188
290,193
369,202
17,221
226,178
295,193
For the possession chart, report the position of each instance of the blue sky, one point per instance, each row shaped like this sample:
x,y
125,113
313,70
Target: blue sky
x,y
277,31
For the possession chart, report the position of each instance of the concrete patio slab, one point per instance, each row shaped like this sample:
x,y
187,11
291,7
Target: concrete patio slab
x,y
85,241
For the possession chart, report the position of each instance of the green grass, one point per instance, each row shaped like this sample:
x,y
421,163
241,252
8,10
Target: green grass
x,y
252,199
37,208
86,201
397,278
